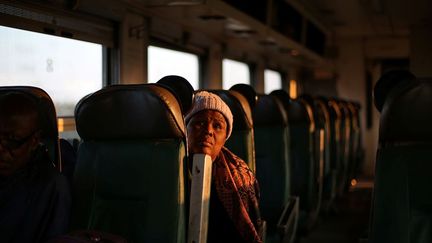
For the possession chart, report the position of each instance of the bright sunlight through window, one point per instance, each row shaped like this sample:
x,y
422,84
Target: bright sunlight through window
x,y
163,62
66,69
234,72
272,81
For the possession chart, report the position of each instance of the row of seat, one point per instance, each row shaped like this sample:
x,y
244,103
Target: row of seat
x,y
313,143
131,171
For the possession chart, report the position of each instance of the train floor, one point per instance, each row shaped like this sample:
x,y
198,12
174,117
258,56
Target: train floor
x,y
348,222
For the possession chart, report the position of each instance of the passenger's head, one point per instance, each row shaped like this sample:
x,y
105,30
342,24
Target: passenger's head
x,y
209,124
19,131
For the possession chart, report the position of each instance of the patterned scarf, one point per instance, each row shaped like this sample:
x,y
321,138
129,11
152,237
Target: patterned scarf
x,y
238,191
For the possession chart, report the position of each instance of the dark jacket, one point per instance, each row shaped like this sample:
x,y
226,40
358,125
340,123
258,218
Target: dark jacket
x,y
34,202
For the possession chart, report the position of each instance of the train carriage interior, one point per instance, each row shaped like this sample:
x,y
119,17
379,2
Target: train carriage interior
x,y
329,100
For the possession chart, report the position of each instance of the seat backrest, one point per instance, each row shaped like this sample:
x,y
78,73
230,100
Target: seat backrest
x,y
302,129
272,156
331,151
335,130
356,144
130,173
347,142
241,142
323,124
320,143
48,118
337,116
402,191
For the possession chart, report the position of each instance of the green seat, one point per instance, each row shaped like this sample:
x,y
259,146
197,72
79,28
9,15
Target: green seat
x,y
303,171
338,145
320,147
402,202
356,152
130,173
330,153
241,142
347,146
272,147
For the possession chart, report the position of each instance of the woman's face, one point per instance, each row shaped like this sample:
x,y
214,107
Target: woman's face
x,y
207,131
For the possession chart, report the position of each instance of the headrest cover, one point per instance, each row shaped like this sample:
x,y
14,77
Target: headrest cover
x,y
130,112
204,100
269,111
405,115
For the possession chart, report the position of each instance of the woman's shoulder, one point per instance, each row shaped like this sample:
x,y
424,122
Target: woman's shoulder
x,y
233,159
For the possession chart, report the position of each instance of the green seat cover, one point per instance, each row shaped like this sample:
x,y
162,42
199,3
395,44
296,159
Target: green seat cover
x,y
129,178
272,157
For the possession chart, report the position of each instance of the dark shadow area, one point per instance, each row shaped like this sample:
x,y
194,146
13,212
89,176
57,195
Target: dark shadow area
x,y
347,223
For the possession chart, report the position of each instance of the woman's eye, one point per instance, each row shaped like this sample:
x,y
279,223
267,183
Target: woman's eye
x,y
199,123
218,126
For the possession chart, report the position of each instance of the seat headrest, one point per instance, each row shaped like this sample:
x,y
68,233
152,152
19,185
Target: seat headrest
x,y
269,111
248,92
296,109
405,115
181,88
240,108
282,95
335,109
130,112
387,82
353,108
45,105
320,109
308,98
345,111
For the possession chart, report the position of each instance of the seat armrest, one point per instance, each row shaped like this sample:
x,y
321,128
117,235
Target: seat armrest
x,y
263,232
287,224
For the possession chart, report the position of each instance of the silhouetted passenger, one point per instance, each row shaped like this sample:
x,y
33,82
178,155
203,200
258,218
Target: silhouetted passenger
x,y
234,214
34,198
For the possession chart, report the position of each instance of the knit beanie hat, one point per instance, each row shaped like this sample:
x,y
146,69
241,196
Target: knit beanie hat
x,y
204,100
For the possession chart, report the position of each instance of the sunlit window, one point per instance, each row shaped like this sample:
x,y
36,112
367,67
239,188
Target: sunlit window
x,y
234,72
163,62
66,69
272,81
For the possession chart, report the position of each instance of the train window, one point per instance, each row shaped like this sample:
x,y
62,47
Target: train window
x,y
272,81
162,62
66,69
234,72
